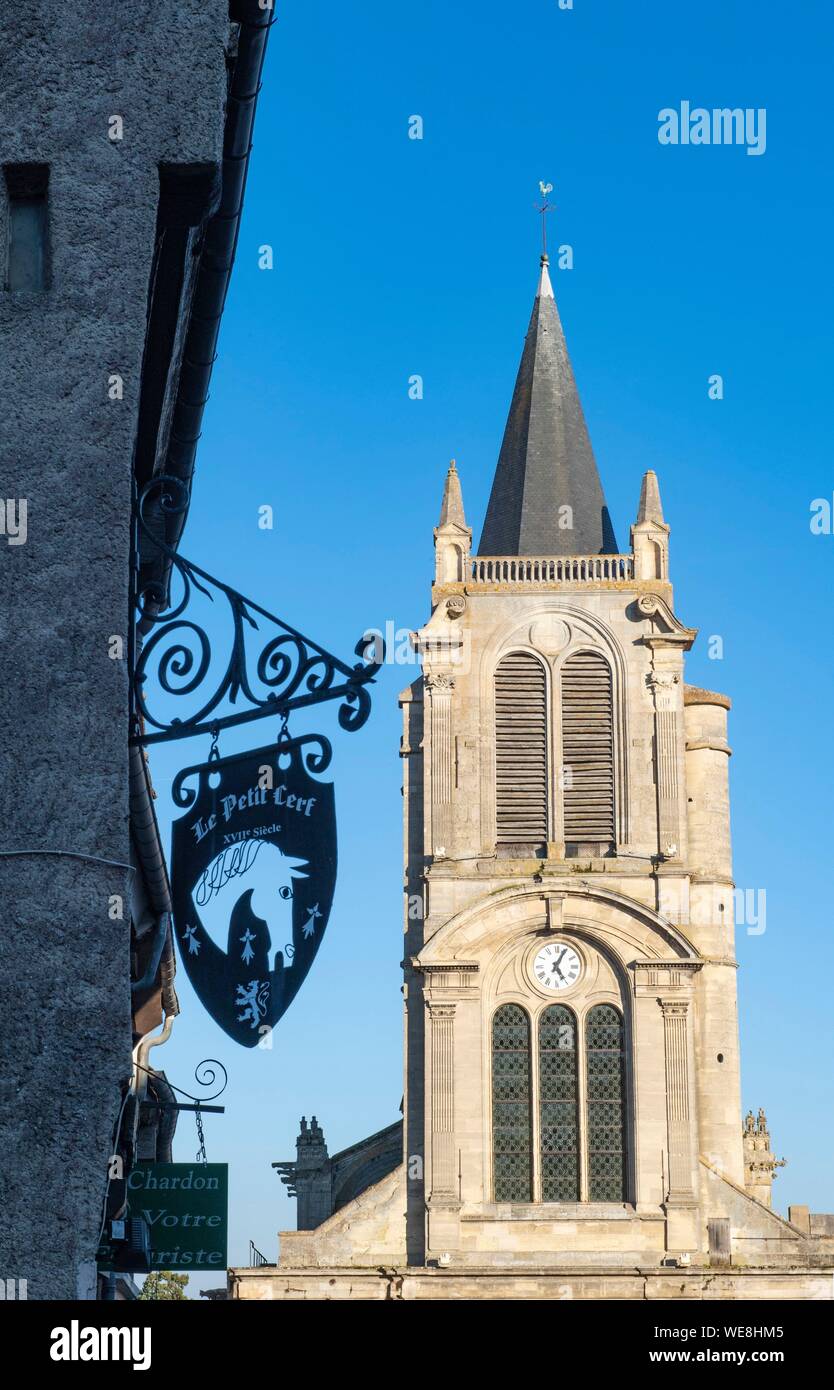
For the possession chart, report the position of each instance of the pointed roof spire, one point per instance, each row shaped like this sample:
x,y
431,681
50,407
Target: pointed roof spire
x,y
546,496
651,508
451,509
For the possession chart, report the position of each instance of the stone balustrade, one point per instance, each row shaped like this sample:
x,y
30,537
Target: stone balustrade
x,y
551,569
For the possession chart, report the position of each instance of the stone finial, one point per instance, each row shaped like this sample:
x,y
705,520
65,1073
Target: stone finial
x,y
310,1136
451,510
650,534
651,507
452,538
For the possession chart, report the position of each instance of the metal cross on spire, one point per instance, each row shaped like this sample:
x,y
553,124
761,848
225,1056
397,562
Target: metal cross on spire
x,y
545,208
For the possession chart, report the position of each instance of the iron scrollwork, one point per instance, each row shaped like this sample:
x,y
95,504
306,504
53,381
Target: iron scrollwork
x,y
291,670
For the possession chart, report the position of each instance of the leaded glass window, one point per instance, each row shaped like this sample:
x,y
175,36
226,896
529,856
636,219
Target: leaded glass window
x,y
605,1063
558,1110
511,1121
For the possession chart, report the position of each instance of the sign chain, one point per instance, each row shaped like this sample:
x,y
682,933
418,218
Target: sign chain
x,y
201,1155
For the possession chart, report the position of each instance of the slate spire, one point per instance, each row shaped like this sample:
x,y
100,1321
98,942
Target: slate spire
x,y
546,475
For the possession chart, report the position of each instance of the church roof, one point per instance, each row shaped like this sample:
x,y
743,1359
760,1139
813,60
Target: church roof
x,y
546,462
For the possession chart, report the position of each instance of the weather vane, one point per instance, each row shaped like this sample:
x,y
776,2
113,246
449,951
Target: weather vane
x,y
545,208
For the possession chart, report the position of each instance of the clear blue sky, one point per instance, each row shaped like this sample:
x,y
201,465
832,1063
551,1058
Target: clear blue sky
x,y
394,257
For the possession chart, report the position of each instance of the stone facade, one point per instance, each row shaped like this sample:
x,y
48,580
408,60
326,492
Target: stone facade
x,y
648,917
113,108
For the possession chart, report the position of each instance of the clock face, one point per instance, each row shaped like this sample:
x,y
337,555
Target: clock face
x,y
556,966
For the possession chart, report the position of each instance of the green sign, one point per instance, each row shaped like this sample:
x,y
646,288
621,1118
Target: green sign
x,y
185,1206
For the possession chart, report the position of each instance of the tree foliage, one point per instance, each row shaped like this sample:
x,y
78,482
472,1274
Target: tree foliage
x,y
162,1284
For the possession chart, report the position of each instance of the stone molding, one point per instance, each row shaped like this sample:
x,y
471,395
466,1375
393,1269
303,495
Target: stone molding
x,y
486,909
650,976
676,635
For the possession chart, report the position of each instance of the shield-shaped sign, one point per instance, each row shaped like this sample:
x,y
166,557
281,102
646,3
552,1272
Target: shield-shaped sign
x,y
253,870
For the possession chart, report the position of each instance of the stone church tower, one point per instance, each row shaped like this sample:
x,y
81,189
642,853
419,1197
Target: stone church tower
x,y
572,1121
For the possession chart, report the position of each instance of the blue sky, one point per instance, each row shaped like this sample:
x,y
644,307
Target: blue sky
x,y
395,257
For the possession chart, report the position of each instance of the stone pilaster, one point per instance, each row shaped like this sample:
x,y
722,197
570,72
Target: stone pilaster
x,y
665,685
440,689
681,1198
675,1025
442,1027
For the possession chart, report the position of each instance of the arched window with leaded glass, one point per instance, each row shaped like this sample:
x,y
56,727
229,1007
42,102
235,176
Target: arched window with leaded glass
x,y
511,1117
605,1077
558,1105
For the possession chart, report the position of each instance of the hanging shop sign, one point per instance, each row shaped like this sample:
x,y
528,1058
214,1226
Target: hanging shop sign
x,y
253,869
253,864
185,1208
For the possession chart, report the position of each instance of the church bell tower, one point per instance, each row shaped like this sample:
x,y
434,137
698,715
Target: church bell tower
x,y
571,1122
572,1062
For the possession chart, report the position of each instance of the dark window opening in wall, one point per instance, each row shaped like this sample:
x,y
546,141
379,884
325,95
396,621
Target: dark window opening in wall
x,y
27,252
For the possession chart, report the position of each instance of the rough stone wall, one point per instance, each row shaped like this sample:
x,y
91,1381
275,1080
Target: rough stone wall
x,y
67,449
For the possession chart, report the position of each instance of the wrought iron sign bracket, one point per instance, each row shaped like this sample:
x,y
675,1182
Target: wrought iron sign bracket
x,y
286,671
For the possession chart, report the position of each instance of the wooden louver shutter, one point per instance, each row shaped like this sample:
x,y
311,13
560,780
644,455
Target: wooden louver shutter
x,y
588,749
521,750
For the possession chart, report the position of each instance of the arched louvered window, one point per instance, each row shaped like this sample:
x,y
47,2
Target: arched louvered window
x,y
512,1157
521,750
558,1106
588,750
605,1070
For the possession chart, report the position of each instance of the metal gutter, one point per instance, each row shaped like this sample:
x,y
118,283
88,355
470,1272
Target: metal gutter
x,y
219,243
218,253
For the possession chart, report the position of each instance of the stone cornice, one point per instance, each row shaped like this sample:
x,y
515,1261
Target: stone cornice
x,y
658,977
463,967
